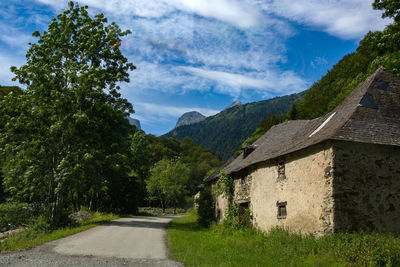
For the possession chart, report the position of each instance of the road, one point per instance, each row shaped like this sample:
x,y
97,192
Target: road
x,y
136,241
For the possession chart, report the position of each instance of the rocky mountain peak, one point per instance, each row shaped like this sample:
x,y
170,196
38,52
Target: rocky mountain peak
x,y
190,118
234,104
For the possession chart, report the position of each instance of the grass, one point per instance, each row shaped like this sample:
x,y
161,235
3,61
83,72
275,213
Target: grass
x,y
219,245
32,237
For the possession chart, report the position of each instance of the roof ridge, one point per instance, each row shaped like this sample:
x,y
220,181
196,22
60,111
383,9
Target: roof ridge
x,y
363,87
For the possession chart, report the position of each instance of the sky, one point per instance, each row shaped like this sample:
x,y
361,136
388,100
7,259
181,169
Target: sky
x,y
201,55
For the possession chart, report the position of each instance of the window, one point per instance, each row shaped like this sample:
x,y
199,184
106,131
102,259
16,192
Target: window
x,y
281,210
281,170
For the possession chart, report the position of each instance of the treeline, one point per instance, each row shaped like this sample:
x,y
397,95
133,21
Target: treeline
x,y
66,142
151,156
376,49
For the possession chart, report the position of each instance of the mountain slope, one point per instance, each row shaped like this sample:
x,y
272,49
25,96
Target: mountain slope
x,y
224,132
376,49
189,118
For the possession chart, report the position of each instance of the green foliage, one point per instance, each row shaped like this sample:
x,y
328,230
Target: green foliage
x,y
206,207
194,245
5,90
224,132
391,7
167,182
13,215
224,186
266,124
376,49
199,160
237,217
65,143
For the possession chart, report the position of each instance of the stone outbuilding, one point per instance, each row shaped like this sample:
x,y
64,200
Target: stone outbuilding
x,y
338,172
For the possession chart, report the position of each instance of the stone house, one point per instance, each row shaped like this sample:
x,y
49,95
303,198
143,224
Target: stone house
x,y
338,172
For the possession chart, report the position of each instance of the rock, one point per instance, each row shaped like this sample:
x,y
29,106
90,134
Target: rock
x,y
80,216
190,118
234,104
134,122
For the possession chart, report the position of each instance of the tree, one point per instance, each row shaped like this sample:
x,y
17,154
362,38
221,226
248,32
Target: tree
x,y
69,142
206,209
5,90
167,182
391,7
140,162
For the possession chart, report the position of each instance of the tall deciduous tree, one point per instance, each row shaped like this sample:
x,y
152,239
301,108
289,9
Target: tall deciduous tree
x,y
167,182
69,142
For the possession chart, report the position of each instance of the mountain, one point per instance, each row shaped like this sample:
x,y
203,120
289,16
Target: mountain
x,y
189,118
224,132
236,103
134,122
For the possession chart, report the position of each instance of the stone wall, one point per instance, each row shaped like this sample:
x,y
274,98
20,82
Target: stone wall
x,y
306,189
303,182
366,187
221,205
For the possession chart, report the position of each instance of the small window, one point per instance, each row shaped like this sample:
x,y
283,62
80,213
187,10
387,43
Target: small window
x,y
281,170
281,210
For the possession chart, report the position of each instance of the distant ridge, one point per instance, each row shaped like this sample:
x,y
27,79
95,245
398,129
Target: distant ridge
x,y
234,104
189,118
224,132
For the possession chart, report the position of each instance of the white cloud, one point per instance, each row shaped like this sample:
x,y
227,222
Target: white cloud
x,y
347,19
282,82
234,12
14,37
6,62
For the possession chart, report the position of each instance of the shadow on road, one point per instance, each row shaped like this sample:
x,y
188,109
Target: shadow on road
x,y
144,222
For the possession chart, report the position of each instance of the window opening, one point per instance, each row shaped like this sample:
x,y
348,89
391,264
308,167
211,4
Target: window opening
x,y
281,171
282,213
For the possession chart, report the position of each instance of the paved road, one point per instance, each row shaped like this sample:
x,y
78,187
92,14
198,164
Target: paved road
x,y
137,241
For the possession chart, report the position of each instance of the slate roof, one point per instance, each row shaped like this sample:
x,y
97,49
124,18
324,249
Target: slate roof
x,y
370,114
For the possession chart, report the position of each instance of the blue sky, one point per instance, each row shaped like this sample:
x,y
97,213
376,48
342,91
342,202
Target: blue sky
x,y
204,54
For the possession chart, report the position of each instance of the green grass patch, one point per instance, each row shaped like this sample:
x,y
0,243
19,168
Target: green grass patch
x,y
35,237
219,245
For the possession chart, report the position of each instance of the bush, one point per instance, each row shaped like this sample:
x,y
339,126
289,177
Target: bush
x,y
14,214
237,218
206,210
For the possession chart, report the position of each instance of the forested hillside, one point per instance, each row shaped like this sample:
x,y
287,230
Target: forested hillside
x,y
147,150
225,131
376,49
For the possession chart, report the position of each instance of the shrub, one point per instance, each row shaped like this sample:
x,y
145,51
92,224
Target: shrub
x,y
237,217
206,210
13,214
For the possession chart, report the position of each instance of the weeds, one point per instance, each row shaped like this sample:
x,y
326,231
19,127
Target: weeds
x,y
223,245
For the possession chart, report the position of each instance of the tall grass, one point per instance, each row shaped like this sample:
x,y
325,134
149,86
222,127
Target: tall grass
x,y
223,246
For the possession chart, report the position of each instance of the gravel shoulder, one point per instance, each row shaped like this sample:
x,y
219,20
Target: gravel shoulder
x,y
136,241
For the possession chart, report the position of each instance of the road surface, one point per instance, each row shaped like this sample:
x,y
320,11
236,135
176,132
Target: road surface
x,y
136,241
